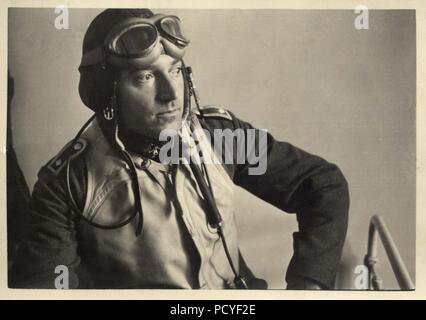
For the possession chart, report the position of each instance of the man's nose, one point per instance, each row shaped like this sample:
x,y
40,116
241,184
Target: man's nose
x,y
166,88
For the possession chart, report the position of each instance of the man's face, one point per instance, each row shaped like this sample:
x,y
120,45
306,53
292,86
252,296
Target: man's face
x,y
151,99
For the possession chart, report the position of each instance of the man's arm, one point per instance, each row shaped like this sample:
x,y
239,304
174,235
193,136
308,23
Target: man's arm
x,y
298,182
50,236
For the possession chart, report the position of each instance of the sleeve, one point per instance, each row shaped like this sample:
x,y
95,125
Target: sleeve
x,y
298,182
49,241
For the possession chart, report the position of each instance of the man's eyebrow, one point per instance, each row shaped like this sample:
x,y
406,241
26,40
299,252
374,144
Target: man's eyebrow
x,y
150,69
138,71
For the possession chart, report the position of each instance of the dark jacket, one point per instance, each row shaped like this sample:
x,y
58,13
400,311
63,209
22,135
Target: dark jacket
x,y
295,181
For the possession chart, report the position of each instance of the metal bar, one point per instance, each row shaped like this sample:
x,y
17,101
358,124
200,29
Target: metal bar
x,y
378,228
371,259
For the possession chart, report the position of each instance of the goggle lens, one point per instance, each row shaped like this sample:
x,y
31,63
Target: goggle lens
x,y
172,26
134,41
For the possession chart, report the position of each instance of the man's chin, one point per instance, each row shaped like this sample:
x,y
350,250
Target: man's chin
x,y
169,131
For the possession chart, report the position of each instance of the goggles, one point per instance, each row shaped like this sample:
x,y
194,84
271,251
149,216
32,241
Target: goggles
x,y
139,42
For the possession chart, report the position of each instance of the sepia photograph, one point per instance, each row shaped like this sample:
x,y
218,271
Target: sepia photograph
x,y
163,148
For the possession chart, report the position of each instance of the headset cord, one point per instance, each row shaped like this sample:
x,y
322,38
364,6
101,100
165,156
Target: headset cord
x,y
138,210
215,219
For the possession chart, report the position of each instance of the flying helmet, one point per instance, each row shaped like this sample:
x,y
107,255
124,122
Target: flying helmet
x,y
125,38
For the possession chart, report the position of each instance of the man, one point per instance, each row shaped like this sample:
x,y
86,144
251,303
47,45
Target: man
x,y
116,215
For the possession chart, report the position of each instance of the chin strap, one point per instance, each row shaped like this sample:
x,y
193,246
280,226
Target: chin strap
x,y
190,89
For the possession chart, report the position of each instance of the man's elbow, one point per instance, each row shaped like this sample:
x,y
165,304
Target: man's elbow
x,y
331,192
335,197
341,187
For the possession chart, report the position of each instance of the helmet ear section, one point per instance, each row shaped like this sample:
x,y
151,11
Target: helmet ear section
x,y
96,87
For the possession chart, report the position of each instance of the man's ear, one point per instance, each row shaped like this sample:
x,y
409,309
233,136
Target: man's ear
x,y
96,87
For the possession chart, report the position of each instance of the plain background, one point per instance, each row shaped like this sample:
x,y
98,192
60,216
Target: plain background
x,y
309,77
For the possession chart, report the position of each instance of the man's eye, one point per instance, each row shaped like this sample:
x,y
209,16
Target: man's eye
x,y
144,77
176,72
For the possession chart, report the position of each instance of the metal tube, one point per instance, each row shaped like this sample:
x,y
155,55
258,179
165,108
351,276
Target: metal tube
x,y
378,228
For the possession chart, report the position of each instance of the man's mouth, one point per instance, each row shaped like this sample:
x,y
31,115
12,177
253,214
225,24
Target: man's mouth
x,y
170,112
